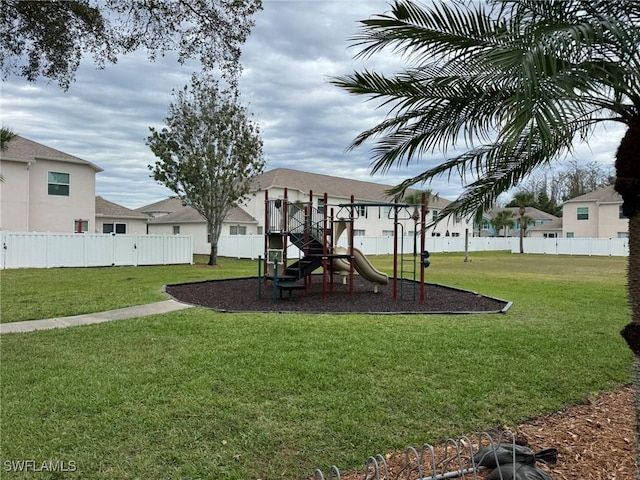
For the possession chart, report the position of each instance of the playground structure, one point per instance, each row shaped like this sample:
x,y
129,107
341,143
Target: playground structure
x,y
316,231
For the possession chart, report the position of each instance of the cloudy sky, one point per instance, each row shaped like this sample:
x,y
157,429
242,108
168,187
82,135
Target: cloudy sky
x,y
307,124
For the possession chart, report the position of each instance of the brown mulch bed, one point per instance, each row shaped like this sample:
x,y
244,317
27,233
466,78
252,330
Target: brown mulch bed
x,y
595,441
237,295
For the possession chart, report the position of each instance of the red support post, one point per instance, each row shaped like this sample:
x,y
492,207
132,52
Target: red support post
x,y
267,211
395,250
352,256
285,229
423,218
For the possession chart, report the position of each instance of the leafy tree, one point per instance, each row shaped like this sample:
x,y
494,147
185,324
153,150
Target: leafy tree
x,y
50,39
208,152
511,85
503,220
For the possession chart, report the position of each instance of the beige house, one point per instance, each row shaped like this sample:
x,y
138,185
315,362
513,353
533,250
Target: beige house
x,y
597,214
371,220
45,190
170,216
116,219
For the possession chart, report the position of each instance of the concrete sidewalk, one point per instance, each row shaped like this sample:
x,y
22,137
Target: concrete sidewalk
x,y
90,318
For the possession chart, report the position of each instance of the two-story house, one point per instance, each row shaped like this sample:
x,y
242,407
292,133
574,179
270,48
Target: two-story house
x,y
45,190
170,216
597,214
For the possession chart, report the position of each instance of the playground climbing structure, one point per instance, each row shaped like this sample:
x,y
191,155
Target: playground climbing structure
x,y
315,231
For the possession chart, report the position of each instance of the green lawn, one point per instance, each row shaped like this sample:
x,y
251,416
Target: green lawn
x,y
30,293
204,395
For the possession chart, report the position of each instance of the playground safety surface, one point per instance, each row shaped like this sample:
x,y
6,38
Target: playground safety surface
x,y
242,295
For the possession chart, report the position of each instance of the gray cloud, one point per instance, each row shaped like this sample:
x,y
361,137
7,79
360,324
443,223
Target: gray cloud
x,y
307,123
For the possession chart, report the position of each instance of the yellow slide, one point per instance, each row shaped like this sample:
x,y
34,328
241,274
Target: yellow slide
x,y
362,265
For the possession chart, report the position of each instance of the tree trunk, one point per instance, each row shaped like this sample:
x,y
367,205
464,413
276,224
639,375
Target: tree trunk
x,y
521,235
213,253
213,256
521,211
214,228
628,185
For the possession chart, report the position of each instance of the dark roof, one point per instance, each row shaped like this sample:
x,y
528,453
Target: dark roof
x,y
21,149
105,208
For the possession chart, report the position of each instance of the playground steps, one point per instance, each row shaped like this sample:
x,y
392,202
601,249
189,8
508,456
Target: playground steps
x,y
303,267
311,261
312,245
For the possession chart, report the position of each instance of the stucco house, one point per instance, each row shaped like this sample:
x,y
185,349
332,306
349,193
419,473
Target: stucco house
x,y
45,190
371,221
116,219
597,214
171,216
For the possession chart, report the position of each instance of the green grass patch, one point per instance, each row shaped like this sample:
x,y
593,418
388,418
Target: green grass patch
x,y
199,394
31,294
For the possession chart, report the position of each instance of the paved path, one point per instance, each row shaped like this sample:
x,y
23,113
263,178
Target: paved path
x,y
120,314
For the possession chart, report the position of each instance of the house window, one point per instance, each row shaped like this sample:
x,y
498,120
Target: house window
x,y
569,234
435,234
385,212
237,230
583,213
434,215
259,231
358,233
58,183
81,226
387,233
623,234
455,234
176,229
321,205
550,235
361,210
621,213
119,228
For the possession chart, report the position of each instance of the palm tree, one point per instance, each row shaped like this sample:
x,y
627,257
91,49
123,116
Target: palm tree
x,y
523,199
503,220
507,86
414,197
6,135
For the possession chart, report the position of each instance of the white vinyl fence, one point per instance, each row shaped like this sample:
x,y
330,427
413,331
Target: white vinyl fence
x,y
251,246
47,250
610,247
